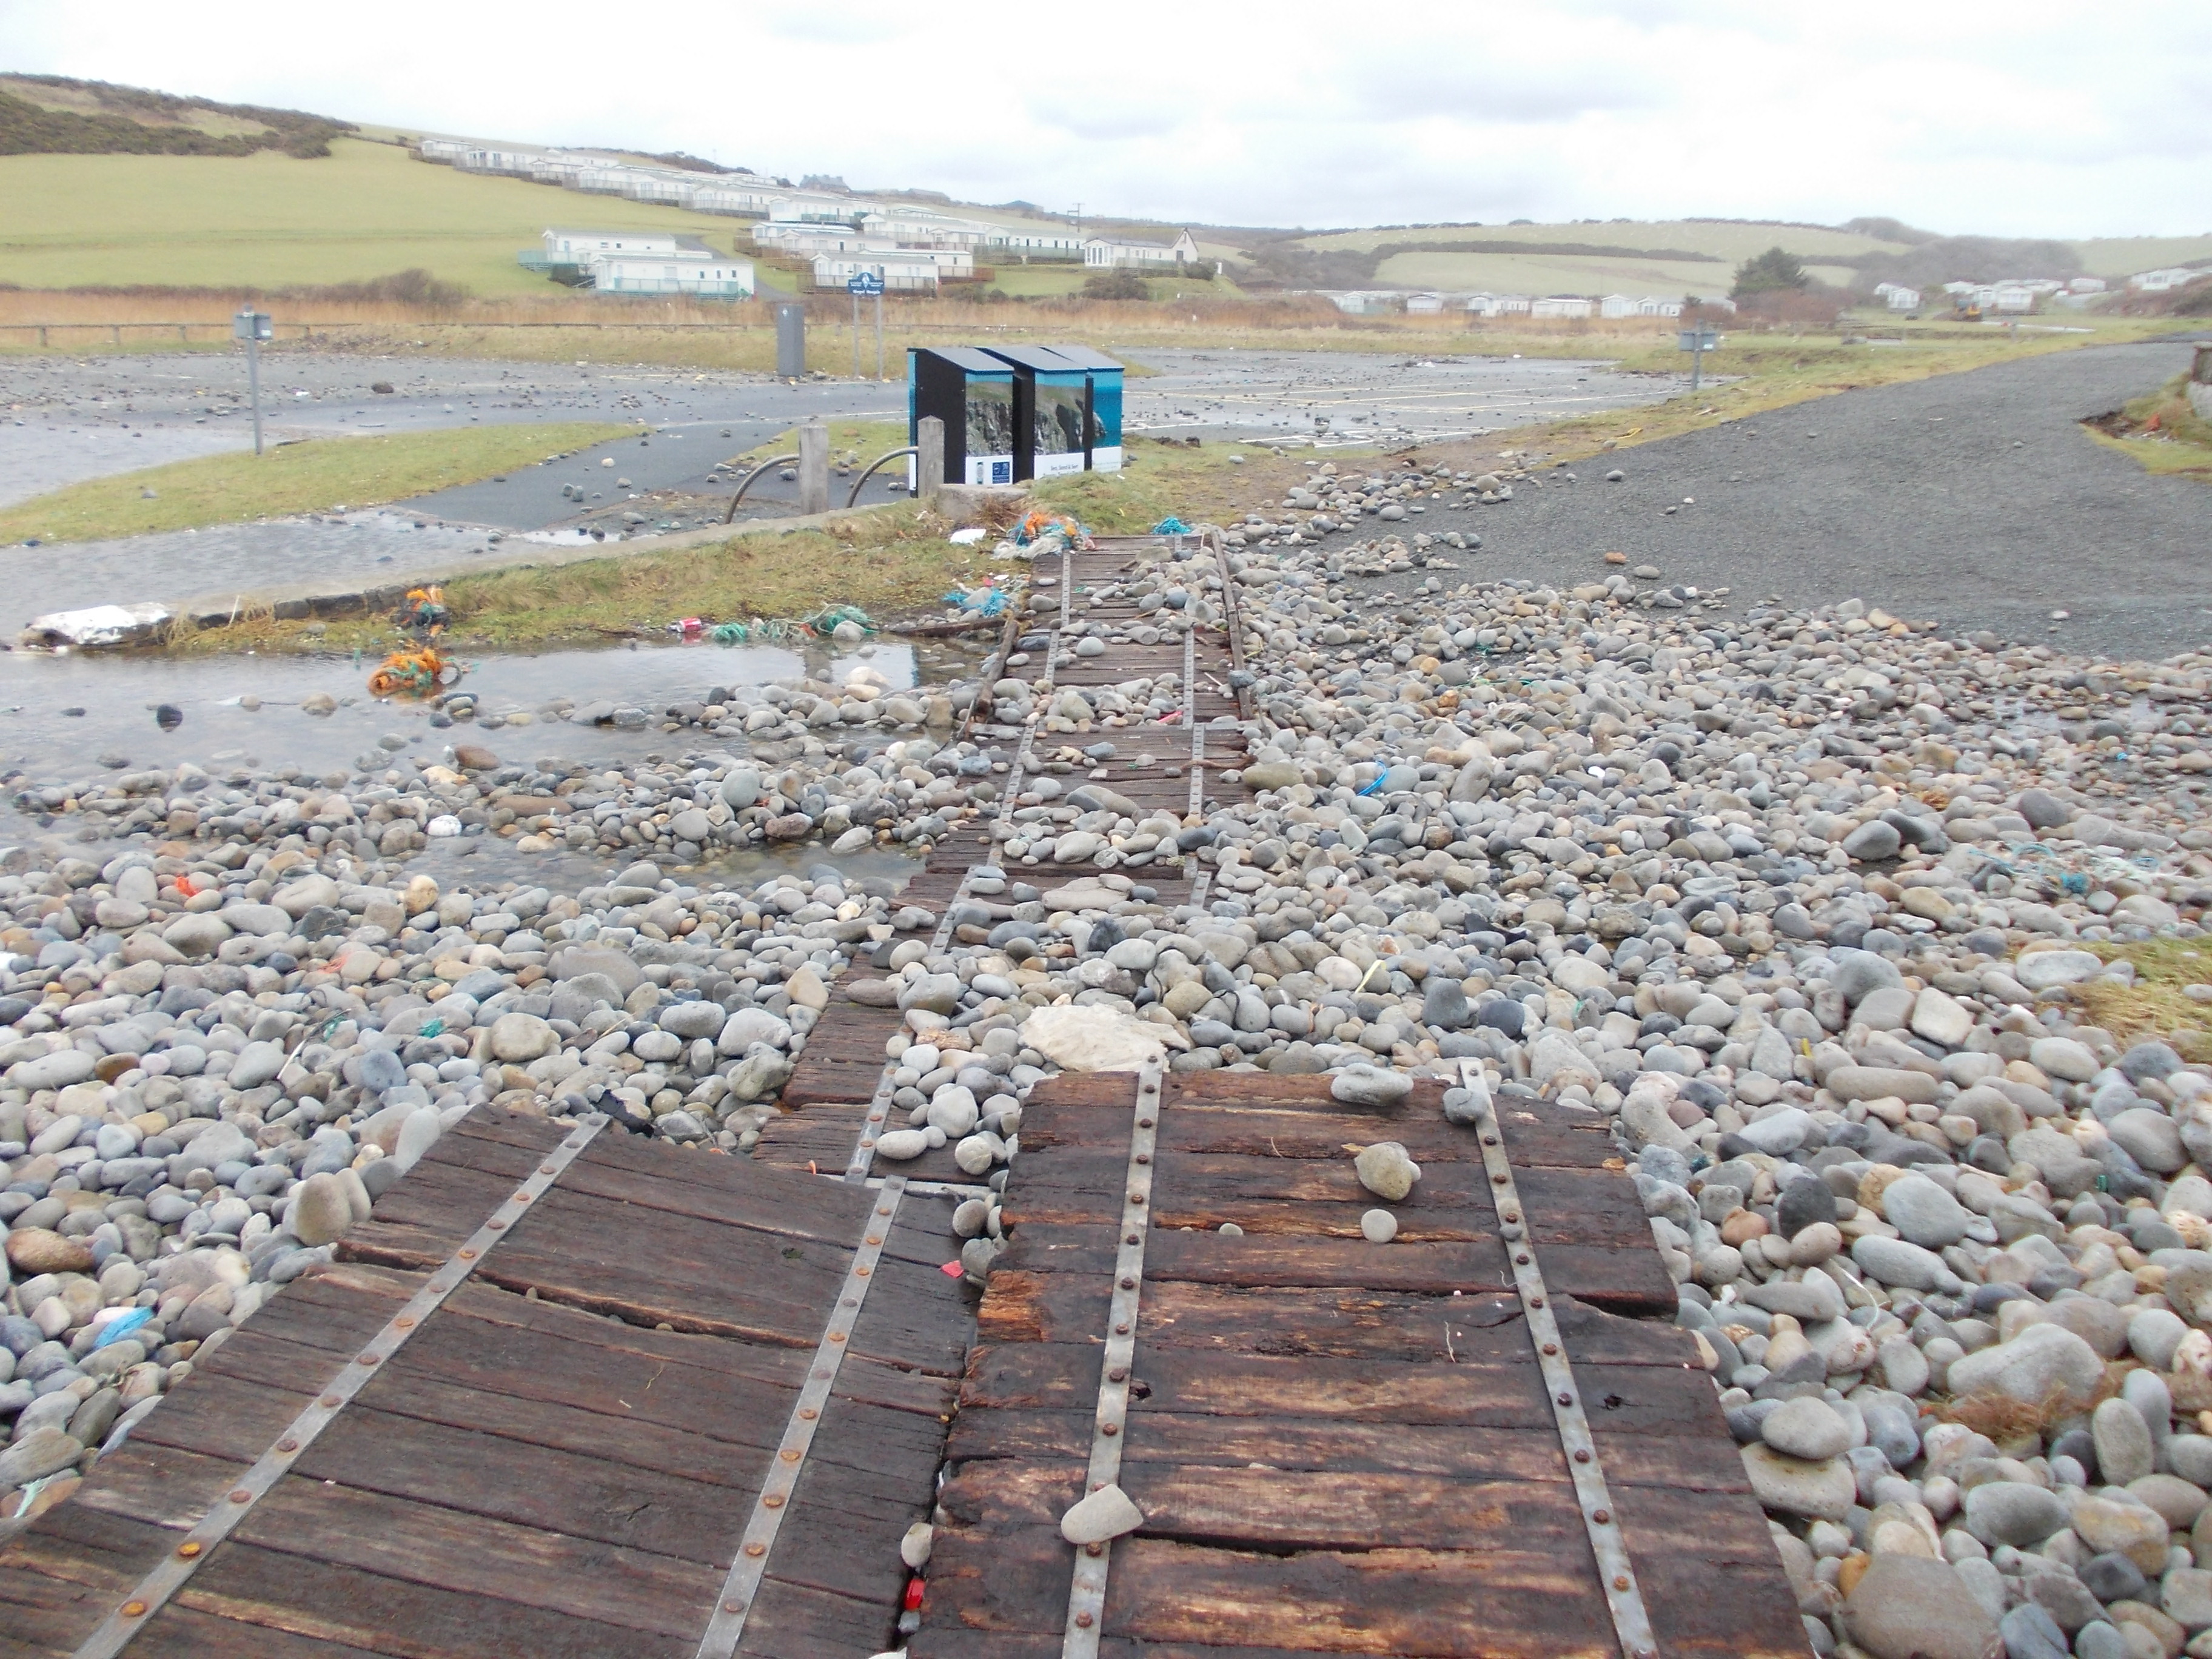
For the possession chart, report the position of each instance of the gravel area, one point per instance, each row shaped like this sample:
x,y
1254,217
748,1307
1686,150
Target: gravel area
x,y
1974,499
1814,910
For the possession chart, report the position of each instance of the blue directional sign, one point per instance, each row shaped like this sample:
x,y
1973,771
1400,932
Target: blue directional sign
x,y
862,283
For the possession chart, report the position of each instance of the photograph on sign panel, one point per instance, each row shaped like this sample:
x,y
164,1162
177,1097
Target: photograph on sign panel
x,y
1059,423
990,417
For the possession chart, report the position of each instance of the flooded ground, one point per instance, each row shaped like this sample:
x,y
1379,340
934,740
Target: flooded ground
x,y
1342,398
67,717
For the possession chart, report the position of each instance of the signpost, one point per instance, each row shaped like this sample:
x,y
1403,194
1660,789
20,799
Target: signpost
x,y
253,327
1697,341
868,283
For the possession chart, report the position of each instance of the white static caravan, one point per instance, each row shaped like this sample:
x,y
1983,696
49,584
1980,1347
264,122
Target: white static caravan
x,y
740,198
915,227
1616,305
705,274
818,208
578,248
670,189
1499,304
904,270
1034,243
1652,306
1560,305
1423,305
447,152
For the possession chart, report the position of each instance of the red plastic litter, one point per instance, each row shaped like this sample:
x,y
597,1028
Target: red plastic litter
x,y
952,1270
914,1594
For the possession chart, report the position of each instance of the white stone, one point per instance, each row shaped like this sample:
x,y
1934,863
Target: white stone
x,y
1105,1514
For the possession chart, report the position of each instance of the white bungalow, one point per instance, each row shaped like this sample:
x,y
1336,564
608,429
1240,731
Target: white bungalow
x,y
1108,254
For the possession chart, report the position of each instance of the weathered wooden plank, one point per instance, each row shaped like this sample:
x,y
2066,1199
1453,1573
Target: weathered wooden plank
x,y
796,1621
1285,1446
258,1602
1473,1392
1501,1604
1321,1129
1196,1178
1606,1276
424,1543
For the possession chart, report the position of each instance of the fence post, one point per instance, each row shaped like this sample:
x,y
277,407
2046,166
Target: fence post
x,y
813,467
929,458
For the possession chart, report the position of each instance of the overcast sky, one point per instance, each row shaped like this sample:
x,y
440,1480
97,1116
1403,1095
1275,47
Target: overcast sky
x,y
2036,119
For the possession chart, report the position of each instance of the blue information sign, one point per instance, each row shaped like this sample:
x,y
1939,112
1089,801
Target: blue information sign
x,y
863,282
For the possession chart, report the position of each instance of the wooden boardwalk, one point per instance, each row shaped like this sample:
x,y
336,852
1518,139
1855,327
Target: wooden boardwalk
x,y
1337,1447
569,1455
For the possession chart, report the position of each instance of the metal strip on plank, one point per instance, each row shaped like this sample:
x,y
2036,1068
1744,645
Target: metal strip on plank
x,y
1190,717
1632,1622
741,1585
155,1590
1086,1593
879,1103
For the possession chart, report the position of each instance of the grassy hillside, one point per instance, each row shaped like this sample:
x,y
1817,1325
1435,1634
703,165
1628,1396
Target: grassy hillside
x,y
1728,241
1563,274
270,220
52,114
2123,256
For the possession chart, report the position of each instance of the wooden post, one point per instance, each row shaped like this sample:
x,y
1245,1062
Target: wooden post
x,y
813,467
928,459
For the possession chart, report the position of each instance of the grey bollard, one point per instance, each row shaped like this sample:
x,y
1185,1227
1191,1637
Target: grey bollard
x,y
929,458
813,467
790,341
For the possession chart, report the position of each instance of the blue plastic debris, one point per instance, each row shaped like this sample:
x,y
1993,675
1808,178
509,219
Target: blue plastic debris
x,y
121,1325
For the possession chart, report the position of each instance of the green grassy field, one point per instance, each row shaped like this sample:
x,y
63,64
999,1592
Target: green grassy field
x,y
303,477
270,221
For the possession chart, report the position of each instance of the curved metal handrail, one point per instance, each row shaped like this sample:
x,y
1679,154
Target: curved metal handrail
x,y
781,460
870,472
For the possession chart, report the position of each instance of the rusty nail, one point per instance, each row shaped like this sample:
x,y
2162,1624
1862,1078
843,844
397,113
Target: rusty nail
x,y
188,1550
240,1495
756,1549
288,1445
133,1609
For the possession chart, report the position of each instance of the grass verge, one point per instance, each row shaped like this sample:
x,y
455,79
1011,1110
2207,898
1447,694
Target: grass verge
x,y
302,478
2156,1004
2162,433
886,561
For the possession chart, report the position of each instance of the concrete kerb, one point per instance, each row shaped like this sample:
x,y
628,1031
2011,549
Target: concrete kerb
x,y
146,622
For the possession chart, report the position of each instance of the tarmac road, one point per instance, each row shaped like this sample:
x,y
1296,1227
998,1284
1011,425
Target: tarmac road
x,y
1976,499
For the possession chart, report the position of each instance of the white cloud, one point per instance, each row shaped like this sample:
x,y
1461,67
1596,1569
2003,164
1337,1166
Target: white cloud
x,y
2062,123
